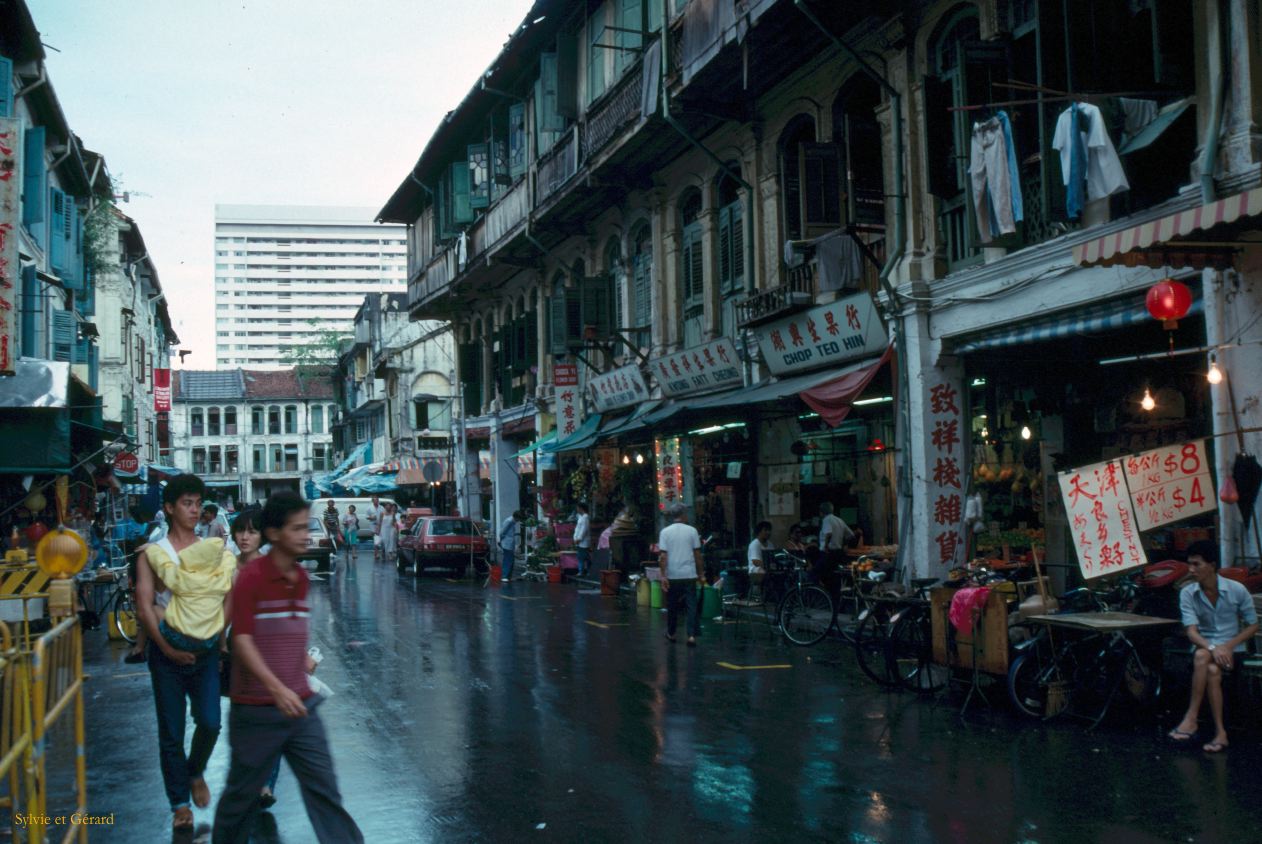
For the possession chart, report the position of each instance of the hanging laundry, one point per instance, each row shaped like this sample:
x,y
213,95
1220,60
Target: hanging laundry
x,y
1138,114
1087,157
840,262
993,174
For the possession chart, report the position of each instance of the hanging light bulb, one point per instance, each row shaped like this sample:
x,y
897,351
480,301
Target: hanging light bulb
x,y
1215,375
1147,402
985,432
639,458
1026,433
626,460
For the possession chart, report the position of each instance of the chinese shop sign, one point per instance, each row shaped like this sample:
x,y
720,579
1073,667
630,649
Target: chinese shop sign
x,y
569,408
700,369
619,388
10,220
162,391
670,475
946,488
1101,519
1171,483
833,333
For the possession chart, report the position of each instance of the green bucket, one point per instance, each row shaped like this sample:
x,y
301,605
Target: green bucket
x,y
655,594
711,603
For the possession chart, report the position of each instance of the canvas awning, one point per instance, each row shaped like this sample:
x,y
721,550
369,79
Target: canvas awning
x,y
1163,242
583,437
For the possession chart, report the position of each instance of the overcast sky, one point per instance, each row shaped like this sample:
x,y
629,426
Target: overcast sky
x,y
303,102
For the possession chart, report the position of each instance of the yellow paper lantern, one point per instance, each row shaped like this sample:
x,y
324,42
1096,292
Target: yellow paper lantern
x,y
35,502
61,553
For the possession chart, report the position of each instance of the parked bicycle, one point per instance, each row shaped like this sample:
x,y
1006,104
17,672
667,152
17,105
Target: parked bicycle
x,y
119,604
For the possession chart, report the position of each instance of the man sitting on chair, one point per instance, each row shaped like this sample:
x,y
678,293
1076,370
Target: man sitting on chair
x,y
1212,609
758,547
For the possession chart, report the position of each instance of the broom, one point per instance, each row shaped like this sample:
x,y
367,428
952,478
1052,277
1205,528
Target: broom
x,y
1058,688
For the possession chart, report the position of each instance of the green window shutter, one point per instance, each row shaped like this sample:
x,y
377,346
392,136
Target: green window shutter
x,y
642,290
6,87
32,311
596,55
693,265
34,178
725,248
549,124
821,187
65,335
597,310
738,246
654,16
461,207
531,357
516,140
479,175
57,229
558,338
567,76
629,17
731,248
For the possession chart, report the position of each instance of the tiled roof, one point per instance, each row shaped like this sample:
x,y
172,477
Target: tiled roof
x,y
203,385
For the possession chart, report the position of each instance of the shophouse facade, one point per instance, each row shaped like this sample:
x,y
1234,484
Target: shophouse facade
x,y
747,234
249,433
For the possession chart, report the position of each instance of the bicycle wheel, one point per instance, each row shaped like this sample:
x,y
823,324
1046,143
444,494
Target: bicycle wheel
x,y
805,615
125,619
1027,684
911,650
872,646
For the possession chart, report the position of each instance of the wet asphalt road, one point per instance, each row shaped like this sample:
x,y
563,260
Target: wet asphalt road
x,y
471,714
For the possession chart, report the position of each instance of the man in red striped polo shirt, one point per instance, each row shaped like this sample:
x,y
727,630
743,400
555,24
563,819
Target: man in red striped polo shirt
x,y
273,708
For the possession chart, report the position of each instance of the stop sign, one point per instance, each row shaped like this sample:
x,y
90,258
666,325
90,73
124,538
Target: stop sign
x,y
127,463
432,471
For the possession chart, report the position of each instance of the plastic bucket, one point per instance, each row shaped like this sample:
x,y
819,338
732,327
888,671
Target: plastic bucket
x,y
642,594
711,602
555,574
655,594
495,574
609,579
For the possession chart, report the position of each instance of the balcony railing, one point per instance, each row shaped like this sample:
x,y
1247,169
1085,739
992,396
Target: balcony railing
x,y
432,280
557,166
505,215
796,294
617,109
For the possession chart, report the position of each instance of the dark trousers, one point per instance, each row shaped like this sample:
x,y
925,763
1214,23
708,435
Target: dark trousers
x,y
584,559
259,736
827,570
172,686
683,593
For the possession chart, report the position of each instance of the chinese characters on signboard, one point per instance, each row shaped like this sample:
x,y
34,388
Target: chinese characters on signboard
x,y
1101,519
840,331
10,220
162,391
670,475
569,408
1171,483
947,493
700,369
622,387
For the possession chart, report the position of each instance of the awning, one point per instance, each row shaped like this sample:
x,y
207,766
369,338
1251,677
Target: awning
x,y
771,391
636,421
538,444
583,437
414,462
1154,130
47,416
833,399
1126,246
222,484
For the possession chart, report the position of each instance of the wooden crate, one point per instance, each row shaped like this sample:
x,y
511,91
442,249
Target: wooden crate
x,y
992,648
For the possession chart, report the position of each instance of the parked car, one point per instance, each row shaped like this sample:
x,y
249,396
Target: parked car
x,y
319,545
447,542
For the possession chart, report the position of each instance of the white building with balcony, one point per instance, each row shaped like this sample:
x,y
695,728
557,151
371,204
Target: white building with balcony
x,y
285,273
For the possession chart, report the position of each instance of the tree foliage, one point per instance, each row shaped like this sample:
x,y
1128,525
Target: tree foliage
x,y
320,347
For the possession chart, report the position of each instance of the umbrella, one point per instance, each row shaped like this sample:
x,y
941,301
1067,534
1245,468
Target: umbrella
x,y
1247,474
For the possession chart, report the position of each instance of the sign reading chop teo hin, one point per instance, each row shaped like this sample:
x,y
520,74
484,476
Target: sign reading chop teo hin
x,y
700,369
832,333
622,387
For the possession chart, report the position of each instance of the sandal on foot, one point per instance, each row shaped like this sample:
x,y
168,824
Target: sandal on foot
x,y
267,800
1215,747
200,792
182,818
1180,735
692,642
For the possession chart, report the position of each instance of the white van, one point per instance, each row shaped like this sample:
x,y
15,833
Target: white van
x,y
363,509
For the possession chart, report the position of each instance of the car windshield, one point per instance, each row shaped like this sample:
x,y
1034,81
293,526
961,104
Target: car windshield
x,y
313,524
451,527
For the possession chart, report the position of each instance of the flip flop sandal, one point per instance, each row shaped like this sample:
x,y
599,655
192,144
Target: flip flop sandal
x,y
182,818
1215,747
1179,735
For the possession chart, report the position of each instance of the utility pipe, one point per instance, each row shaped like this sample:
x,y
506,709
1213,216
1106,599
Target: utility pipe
x,y
1209,155
898,247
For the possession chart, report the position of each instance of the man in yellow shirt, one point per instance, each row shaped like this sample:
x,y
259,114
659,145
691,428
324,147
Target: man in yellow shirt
x,y
184,643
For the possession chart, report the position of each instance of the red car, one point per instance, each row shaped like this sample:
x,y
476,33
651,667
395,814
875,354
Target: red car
x,y
446,542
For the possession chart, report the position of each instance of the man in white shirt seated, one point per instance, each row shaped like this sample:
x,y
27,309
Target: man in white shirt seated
x,y
758,547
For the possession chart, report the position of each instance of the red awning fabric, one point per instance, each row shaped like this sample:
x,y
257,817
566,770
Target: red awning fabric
x,y
833,399
1121,247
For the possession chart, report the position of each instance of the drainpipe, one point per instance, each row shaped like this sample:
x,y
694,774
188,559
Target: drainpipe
x,y
1209,155
898,247
722,165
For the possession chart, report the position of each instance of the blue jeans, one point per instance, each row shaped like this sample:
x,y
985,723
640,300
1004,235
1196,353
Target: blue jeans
x,y
172,686
271,781
682,595
584,560
506,564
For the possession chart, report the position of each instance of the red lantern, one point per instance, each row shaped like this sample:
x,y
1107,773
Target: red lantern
x,y
1169,301
35,532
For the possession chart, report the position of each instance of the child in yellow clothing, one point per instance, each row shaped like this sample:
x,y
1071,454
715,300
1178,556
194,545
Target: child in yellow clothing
x,y
199,578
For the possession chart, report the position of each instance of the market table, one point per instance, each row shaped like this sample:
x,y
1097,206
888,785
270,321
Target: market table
x,y
1102,622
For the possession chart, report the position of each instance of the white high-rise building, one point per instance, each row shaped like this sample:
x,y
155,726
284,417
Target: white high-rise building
x,y
283,273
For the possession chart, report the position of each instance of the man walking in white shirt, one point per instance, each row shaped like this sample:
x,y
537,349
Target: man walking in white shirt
x,y
679,553
583,539
833,536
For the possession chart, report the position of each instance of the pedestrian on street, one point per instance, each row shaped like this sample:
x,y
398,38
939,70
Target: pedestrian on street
x,y
210,518
1219,617
510,540
274,711
583,539
376,515
350,532
679,554
184,643
388,530
332,524
833,536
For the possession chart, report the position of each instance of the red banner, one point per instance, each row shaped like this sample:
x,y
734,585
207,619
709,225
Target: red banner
x,y
162,390
10,222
